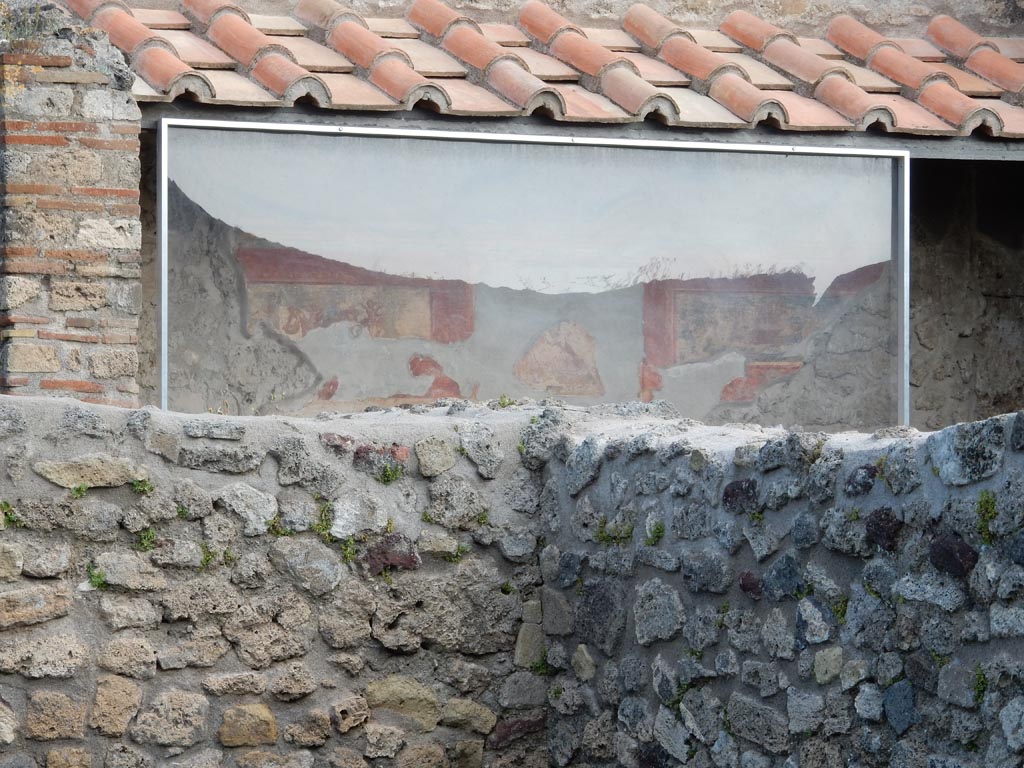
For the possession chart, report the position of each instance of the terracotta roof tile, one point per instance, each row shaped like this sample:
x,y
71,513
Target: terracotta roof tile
x,y
504,34
759,74
313,56
820,47
277,25
745,28
351,92
428,60
469,99
713,40
392,28
157,19
701,111
195,51
438,58
1010,47
233,89
612,39
657,72
919,49
973,85
546,67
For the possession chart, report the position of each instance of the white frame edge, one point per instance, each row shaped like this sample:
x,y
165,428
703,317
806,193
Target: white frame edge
x,y
901,207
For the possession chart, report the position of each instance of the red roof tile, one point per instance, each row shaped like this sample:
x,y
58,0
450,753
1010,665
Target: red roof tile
x,y
748,71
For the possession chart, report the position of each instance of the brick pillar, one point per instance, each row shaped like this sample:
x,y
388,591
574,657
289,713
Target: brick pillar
x,y
70,233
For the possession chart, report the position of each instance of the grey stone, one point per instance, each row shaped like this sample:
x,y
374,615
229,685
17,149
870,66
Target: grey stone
x,y
658,558
1011,720
558,618
805,531
315,567
761,675
853,672
657,611
758,723
237,460
900,709
724,752
1006,620
692,520
518,546
777,636
861,480
128,612
530,646
635,718
783,578
523,690
583,464
173,719
869,702
706,571
828,664
887,667
900,468
671,734
805,710
482,448
215,429
46,561
455,504
601,614
44,655
255,508
845,532
435,456
956,685
966,453
931,588
762,537
583,664
814,621
130,571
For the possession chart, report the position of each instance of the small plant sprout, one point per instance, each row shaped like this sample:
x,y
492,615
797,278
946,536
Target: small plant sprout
x,y
277,528
229,557
208,556
97,580
507,588
389,473
458,554
656,534
543,669
79,491
504,401
386,577
11,518
987,513
607,534
146,541
182,511
323,524
483,518
390,527
142,487
349,550
980,683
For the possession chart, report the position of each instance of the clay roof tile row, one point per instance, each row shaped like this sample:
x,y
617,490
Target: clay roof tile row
x,y
747,71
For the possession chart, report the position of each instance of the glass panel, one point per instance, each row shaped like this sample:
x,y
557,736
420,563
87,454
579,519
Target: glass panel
x,y
313,272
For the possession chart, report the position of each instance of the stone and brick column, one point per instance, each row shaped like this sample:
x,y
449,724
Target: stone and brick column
x,y
70,231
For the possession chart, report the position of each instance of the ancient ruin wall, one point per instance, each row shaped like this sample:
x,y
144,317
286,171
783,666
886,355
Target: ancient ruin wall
x,y
502,585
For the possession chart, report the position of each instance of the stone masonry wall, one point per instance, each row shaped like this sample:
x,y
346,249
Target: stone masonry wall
x,y
502,585
70,232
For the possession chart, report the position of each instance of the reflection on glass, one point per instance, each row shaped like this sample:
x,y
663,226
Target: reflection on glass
x,y
314,272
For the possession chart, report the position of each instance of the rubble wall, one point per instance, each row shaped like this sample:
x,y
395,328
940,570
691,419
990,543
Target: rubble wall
x,y
505,584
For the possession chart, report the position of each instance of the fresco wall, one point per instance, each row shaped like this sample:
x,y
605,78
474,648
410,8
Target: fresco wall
x,y
391,310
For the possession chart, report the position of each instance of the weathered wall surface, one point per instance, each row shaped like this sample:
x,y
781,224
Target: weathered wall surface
x,y
464,585
967,291
69,231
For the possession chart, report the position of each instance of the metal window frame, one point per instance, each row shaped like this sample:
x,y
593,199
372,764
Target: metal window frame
x,y
900,197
